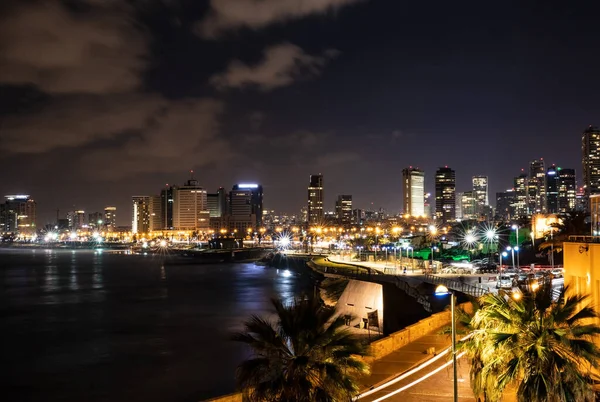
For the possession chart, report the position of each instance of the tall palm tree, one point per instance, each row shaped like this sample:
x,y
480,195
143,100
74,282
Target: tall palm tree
x,y
542,348
305,356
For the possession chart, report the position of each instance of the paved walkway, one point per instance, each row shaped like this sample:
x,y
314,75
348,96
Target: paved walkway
x,y
406,357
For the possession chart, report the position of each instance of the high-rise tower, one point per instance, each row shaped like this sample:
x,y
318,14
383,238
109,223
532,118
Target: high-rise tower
x,y
537,186
590,148
413,186
315,199
445,194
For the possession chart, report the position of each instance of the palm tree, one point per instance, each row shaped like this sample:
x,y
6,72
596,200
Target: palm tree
x,y
540,347
305,356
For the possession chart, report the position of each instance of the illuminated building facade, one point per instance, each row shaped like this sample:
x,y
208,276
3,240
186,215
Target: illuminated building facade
x,y
141,214
245,208
315,199
445,195
343,209
567,190
18,215
468,206
76,219
480,194
413,186
590,148
521,207
537,186
110,218
552,190
190,209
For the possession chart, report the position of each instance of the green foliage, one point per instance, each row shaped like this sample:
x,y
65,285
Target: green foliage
x,y
305,356
542,348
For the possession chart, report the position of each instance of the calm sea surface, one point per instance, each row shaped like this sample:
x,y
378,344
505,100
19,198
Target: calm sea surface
x,y
92,326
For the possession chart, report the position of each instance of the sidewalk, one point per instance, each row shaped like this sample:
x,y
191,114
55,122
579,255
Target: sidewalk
x,y
406,357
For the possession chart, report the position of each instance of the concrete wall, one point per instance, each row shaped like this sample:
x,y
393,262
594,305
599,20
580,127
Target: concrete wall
x,y
396,340
360,298
582,270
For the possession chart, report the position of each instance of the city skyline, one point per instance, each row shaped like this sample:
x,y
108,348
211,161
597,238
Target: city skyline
x,y
273,100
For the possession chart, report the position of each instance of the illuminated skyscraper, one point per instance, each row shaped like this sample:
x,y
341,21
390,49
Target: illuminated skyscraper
x,y
343,209
413,186
190,209
552,190
590,147
567,190
110,218
520,205
315,199
76,219
445,195
468,205
166,208
480,193
537,186
246,207
140,222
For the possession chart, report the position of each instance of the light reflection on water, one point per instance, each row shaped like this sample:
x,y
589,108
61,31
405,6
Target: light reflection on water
x,y
94,326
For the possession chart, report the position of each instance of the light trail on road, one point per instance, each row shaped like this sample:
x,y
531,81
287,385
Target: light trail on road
x,y
415,382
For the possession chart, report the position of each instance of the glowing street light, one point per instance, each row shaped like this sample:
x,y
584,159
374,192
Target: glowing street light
x,y
442,290
500,255
516,228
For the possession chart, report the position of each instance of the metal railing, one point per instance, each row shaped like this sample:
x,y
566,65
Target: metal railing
x,y
457,285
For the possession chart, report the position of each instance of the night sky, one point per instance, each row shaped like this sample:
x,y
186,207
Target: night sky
x,y
100,100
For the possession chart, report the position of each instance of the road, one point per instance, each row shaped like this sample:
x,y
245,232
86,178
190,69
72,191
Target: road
x,y
432,383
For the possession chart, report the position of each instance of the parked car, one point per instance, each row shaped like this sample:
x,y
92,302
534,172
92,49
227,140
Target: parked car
x,y
504,282
558,272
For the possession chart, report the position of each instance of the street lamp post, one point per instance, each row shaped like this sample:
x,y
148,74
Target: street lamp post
x,y
516,228
442,290
500,255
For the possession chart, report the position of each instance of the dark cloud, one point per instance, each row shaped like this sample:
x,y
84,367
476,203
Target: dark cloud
x,y
281,65
232,14
99,50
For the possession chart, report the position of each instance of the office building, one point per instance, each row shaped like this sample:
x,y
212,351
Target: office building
x,y
315,199
552,190
245,208
537,186
110,218
445,195
76,219
343,209
166,208
217,203
590,148
505,204
480,193
413,186
96,220
18,215
155,211
521,205
567,190
190,209
469,206
140,224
